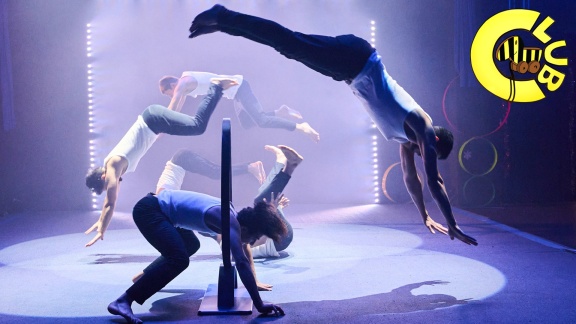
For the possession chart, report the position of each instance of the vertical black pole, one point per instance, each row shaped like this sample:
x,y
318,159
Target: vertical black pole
x,y
225,190
227,276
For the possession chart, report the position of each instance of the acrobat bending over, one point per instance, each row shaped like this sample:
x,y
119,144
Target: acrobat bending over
x,y
287,159
127,154
167,221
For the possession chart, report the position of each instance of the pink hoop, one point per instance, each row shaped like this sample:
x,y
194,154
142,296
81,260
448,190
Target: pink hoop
x,y
504,120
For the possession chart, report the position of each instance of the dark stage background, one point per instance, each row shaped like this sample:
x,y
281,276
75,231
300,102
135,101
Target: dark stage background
x,y
425,46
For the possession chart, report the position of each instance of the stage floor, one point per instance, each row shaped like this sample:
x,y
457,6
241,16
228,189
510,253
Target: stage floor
x,y
347,264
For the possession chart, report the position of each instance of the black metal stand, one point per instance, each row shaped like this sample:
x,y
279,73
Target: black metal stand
x,y
226,297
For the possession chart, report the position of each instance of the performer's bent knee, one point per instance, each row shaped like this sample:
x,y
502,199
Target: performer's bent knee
x,y
152,110
180,262
183,156
193,248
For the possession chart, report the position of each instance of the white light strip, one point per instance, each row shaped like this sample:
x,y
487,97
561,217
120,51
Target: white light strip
x,y
373,33
375,137
90,89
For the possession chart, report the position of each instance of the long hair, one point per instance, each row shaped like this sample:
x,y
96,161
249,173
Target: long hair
x,y
263,219
94,180
445,142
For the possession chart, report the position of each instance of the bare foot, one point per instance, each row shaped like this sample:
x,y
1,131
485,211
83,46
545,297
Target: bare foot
x,y
280,157
138,276
288,113
291,154
308,130
206,22
122,308
292,157
257,170
225,83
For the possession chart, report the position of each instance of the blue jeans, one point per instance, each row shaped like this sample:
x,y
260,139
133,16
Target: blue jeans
x,y
175,246
161,120
275,183
252,113
341,57
194,163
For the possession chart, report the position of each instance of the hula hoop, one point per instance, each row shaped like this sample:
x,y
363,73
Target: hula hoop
x,y
462,150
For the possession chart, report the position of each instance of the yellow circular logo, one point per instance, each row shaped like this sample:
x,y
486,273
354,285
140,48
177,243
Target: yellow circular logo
x,y
531,68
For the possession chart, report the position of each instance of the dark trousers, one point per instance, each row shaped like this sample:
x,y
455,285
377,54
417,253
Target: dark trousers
x,y
275,183
162,120
251,112
195,163
175,246
341,57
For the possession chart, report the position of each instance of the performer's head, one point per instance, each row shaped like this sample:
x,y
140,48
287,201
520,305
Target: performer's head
x,y
262,219
95,180
167,85
444,143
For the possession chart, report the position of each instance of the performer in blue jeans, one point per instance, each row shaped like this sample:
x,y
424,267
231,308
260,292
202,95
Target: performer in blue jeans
x,y
352,59
247,106
136,142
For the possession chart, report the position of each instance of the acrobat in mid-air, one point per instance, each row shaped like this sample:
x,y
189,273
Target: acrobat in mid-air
x,y
353,60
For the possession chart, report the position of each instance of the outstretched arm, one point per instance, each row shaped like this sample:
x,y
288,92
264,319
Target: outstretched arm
x,y
248,252
112,188
245,272
414,187
426,142
185,85
438,191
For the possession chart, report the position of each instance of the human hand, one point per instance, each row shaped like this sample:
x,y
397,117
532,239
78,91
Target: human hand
x,y
283,202
433,226
99,235
263,287
225,83
455,232
269,308
277,201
